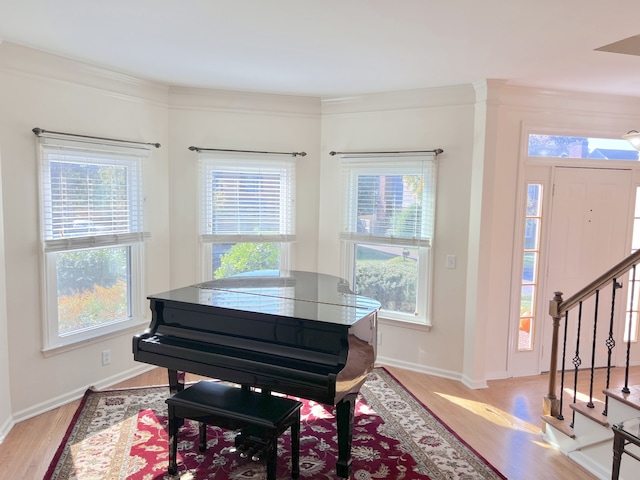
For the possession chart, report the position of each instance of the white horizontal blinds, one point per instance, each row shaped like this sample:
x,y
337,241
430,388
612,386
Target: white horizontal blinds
x,y
91,194
248,197
389,198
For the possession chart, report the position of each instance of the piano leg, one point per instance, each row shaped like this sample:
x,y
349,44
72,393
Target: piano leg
x,y
345,409
176,381
176,384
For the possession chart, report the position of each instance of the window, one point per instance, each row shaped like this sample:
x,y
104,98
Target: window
x,y
388,225
633,286
530,263
247,212
92,233
562,146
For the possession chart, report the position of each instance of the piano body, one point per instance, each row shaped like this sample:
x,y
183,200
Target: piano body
x,y
299,333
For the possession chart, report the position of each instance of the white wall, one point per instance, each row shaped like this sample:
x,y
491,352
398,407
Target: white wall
x,y
479,127
6,419
416,120
239,121
511,112
40,90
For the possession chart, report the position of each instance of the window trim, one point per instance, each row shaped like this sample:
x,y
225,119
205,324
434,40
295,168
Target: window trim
x,y
52,341
207,160
389,164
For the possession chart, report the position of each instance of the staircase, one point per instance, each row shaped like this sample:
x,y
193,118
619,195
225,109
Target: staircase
x,y
597,398
590,441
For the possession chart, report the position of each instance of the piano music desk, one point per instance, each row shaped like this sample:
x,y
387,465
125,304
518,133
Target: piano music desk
x,y
263,417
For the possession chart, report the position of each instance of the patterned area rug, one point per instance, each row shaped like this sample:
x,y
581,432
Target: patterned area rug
x,y
121,434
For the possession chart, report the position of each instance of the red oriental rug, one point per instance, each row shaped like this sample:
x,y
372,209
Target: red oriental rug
x,y
122,434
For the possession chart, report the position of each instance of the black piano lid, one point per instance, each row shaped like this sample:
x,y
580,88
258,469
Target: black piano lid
x,y
293,293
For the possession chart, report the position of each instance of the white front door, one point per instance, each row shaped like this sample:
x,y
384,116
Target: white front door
x,y
587,236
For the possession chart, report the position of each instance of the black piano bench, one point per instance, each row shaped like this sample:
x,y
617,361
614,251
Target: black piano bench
x,y
263,418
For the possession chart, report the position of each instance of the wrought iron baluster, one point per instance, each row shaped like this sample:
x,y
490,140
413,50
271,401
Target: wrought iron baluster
x,y
576,363
625,389
560,416
610,342
593,350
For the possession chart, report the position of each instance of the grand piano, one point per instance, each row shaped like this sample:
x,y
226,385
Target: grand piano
x,y
299,333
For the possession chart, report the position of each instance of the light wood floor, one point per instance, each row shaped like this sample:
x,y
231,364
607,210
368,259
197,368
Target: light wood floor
x,y
501,422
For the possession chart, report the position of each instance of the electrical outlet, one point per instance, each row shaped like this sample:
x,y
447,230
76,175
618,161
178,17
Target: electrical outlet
x,y
106,357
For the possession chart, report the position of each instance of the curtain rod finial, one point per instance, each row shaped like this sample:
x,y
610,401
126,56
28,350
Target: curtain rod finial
x,y
37,131
194,149
302,154
332,153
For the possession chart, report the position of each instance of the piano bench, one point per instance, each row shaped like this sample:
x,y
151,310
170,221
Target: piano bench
x,y
263,418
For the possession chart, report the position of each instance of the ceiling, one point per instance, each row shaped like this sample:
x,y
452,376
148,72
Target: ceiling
x,y
331,48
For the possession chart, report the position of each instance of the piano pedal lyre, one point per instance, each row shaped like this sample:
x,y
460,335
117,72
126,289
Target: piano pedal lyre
x,y
251,446
257,456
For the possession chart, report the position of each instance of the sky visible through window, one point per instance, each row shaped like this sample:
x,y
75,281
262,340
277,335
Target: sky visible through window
x,y
558,146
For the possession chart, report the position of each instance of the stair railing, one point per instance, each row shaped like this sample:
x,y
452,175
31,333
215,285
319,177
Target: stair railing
x,y
559,309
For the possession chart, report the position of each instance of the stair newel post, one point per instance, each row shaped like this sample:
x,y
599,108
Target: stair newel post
x,y
551,403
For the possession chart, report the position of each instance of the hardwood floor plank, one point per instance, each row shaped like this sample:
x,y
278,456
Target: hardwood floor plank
x,y
502,423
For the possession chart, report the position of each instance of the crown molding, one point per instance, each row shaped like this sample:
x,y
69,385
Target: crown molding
x,y
31,63
191,98
457,95
550,99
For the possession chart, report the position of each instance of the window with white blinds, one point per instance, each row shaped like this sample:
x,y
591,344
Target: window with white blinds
x,y
90,191
389,198
92,238
246,198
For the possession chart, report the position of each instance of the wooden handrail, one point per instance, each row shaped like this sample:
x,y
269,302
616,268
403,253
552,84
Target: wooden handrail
x,y
558,308
614,272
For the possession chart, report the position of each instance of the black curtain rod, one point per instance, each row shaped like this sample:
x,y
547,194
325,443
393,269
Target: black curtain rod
x,y
198,149
40,131
436,151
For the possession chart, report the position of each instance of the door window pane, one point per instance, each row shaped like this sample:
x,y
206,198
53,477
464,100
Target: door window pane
x,y
529,267
530,260
531,233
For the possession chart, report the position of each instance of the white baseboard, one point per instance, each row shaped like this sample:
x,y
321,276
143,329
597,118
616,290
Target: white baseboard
x,y
474,384
78,393
6,428
414,367
436,372
593,467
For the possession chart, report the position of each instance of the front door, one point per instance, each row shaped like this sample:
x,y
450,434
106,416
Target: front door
x,y
588,235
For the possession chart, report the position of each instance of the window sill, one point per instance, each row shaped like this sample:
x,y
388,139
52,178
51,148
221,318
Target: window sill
x,y
131,329
408,324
